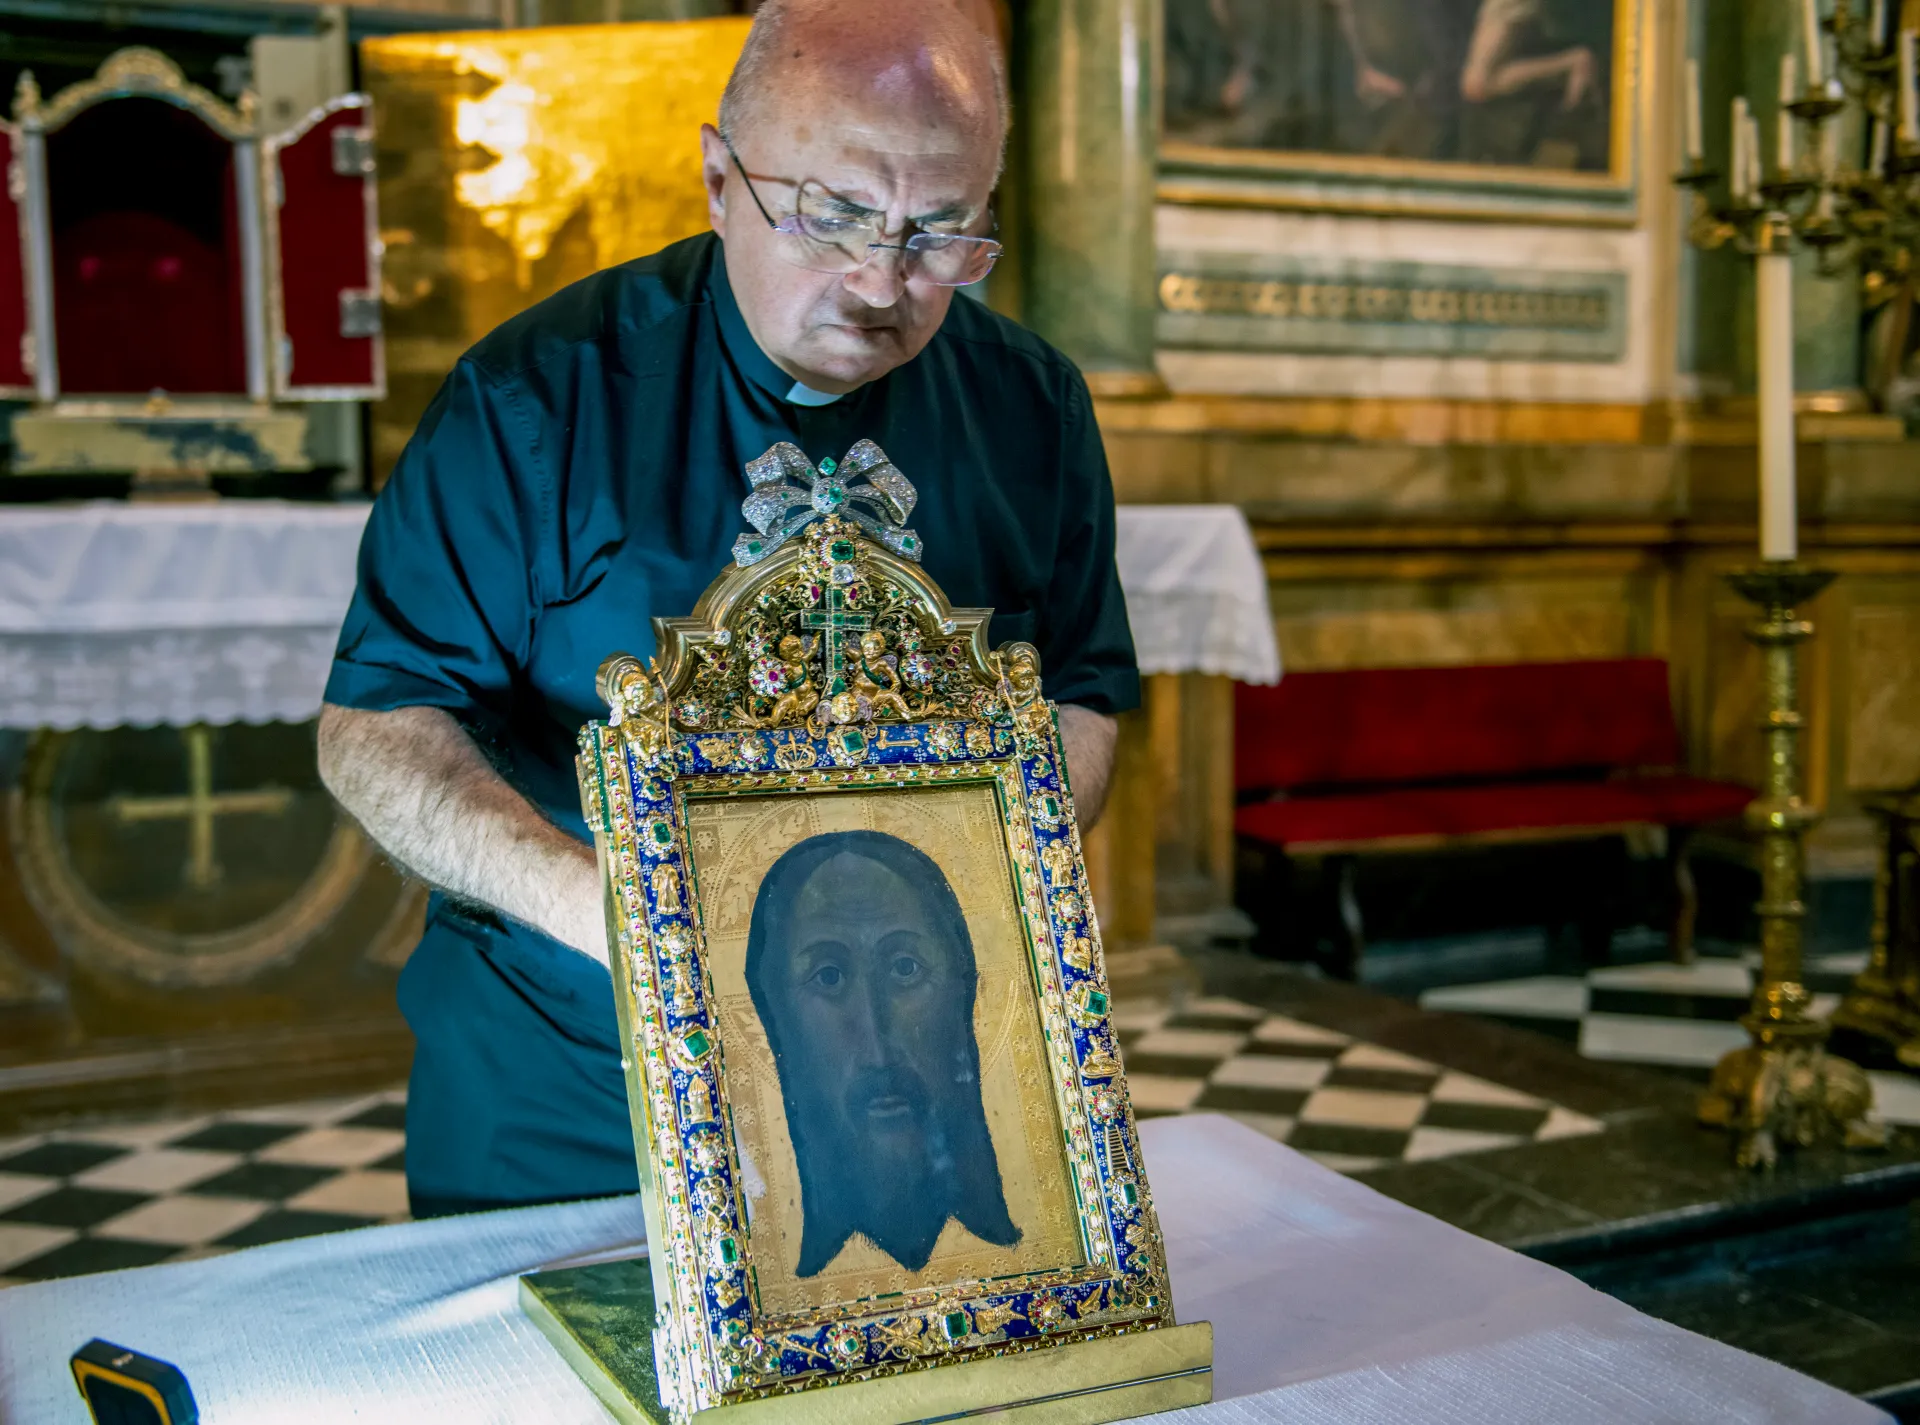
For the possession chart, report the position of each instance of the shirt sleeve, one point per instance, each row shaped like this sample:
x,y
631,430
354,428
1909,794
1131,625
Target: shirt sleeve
x,y
442,615
1087,657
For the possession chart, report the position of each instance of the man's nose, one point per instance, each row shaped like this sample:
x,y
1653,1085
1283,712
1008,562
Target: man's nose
x,y
881,281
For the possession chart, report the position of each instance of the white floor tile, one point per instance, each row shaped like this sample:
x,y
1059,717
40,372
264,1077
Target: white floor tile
x,y
1272,1071
1189,1043
1650,1039
1565,1123
10,1146
1446,1142
1137,1018
1226,1009
335,1147
1823,1006
23,1241
317,1112
1167,1094
158,1170
1345,1162
17,1188
1541,996
185,1221
367,1194
1275,1125
1372,1056
1703,977
1278,1029
1363,1108
1464,1088
1849,962
1896,1097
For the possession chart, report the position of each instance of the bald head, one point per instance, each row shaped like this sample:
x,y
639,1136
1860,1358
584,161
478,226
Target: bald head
x,y
933,64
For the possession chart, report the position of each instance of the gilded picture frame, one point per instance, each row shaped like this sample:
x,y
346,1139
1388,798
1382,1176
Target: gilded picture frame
x,y
824,681
1197,167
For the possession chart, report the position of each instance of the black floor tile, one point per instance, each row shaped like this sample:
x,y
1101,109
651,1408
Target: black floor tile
x,y
1233,1098
288,1223
1380,1080
381,1115
1718,1009
1348,1138
392,1163
1484,1118
1287,1049
74,1207
272,1182
1179,1066
61,1159
238,1137
92,1254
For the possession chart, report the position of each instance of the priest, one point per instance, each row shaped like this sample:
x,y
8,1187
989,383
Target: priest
x,y
582,471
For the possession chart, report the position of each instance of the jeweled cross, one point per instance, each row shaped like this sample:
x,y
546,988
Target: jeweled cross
x,y
833,620
200,807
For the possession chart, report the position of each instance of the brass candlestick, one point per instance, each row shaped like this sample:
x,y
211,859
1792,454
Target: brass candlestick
x,y
1784,1089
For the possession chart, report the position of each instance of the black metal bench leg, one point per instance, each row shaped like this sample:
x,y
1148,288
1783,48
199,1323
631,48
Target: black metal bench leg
x,y
1686,897
1350,939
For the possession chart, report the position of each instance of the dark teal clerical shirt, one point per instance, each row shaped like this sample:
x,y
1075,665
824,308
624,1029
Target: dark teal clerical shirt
x,y
581,471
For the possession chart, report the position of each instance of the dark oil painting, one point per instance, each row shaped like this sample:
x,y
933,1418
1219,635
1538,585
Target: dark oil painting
x,y
1526,83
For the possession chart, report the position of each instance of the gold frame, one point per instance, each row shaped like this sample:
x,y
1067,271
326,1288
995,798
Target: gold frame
x,y
705,721
1210,175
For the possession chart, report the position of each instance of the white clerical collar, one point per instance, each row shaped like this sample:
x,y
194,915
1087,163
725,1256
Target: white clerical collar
x,y
804,395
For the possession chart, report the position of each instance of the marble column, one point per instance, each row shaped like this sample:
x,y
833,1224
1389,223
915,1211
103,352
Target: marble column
x,y
1826,310
1087,118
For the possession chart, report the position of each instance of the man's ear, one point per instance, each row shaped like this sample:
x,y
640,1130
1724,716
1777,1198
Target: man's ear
x,y
715,168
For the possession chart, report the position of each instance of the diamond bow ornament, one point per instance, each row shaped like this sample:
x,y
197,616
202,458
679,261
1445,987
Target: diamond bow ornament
x,y
790,493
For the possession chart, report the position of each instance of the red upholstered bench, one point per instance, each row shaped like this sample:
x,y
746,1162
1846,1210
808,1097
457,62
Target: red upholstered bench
x,y
1373,760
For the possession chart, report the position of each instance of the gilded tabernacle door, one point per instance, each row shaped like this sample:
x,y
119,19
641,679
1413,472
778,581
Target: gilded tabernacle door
x,y
878,1106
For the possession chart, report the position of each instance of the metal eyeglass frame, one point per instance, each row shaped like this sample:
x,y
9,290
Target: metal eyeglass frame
x,y
912,247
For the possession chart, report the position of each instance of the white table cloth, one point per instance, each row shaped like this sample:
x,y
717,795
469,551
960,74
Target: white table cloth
x,y
1330,1303
1196,592
114,614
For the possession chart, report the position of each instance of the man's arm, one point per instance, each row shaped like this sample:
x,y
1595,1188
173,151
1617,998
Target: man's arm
x,y
414,779
1088,739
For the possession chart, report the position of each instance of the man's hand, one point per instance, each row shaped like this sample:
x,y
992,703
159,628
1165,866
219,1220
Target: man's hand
x,y
1088,737
418,785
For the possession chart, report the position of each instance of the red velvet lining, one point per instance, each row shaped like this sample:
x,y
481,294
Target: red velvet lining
x,y
323,252
13,282
1461,811
1391,725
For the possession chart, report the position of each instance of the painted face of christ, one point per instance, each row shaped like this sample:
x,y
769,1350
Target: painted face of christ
x,y
862,972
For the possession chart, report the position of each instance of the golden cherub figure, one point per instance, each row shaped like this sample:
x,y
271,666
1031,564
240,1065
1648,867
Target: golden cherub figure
x,y
666,890
801,697
877,678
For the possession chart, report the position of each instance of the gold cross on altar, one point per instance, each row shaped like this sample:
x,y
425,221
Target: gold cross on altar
x,y
200,807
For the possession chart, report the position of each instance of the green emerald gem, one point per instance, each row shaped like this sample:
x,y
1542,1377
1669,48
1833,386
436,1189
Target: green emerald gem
x,y
661,832
1096,1002
1129,1194
955,1324
853,740
754,546
840,551
696,1043
729,1251
1050,807
829,465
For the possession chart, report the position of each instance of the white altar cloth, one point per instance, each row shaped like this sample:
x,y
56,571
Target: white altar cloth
x,y
115,614
1196,591
134,615
1330,1303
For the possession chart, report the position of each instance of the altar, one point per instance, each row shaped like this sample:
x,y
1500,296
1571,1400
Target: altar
x,y
1329,1303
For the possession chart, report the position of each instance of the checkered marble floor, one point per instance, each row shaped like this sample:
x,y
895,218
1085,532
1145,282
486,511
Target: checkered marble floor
x,y
1349,1104
1661,1015
129,1195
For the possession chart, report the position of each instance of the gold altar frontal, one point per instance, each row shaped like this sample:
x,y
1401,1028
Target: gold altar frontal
x,y
598,1318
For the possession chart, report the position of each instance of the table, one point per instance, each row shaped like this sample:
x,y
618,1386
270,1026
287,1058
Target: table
x,y
115,615
1329,1303
138,615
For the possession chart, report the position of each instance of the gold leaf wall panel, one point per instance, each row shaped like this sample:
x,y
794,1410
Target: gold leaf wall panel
x,y
1884,698
513,162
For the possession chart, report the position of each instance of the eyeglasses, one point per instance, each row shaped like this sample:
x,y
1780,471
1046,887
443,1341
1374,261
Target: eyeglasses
x,y
822,240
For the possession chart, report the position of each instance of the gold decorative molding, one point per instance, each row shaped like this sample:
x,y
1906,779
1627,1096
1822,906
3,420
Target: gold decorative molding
x,y
134,72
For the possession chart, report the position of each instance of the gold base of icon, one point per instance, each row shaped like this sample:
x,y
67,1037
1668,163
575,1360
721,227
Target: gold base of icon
x,y
600,1318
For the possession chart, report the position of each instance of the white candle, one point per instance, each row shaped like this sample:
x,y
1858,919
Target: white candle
x,y
1877,23
1877,154
1773,293
1783,120
1737,162
1696,146
1909,102
1752,146
1810,13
